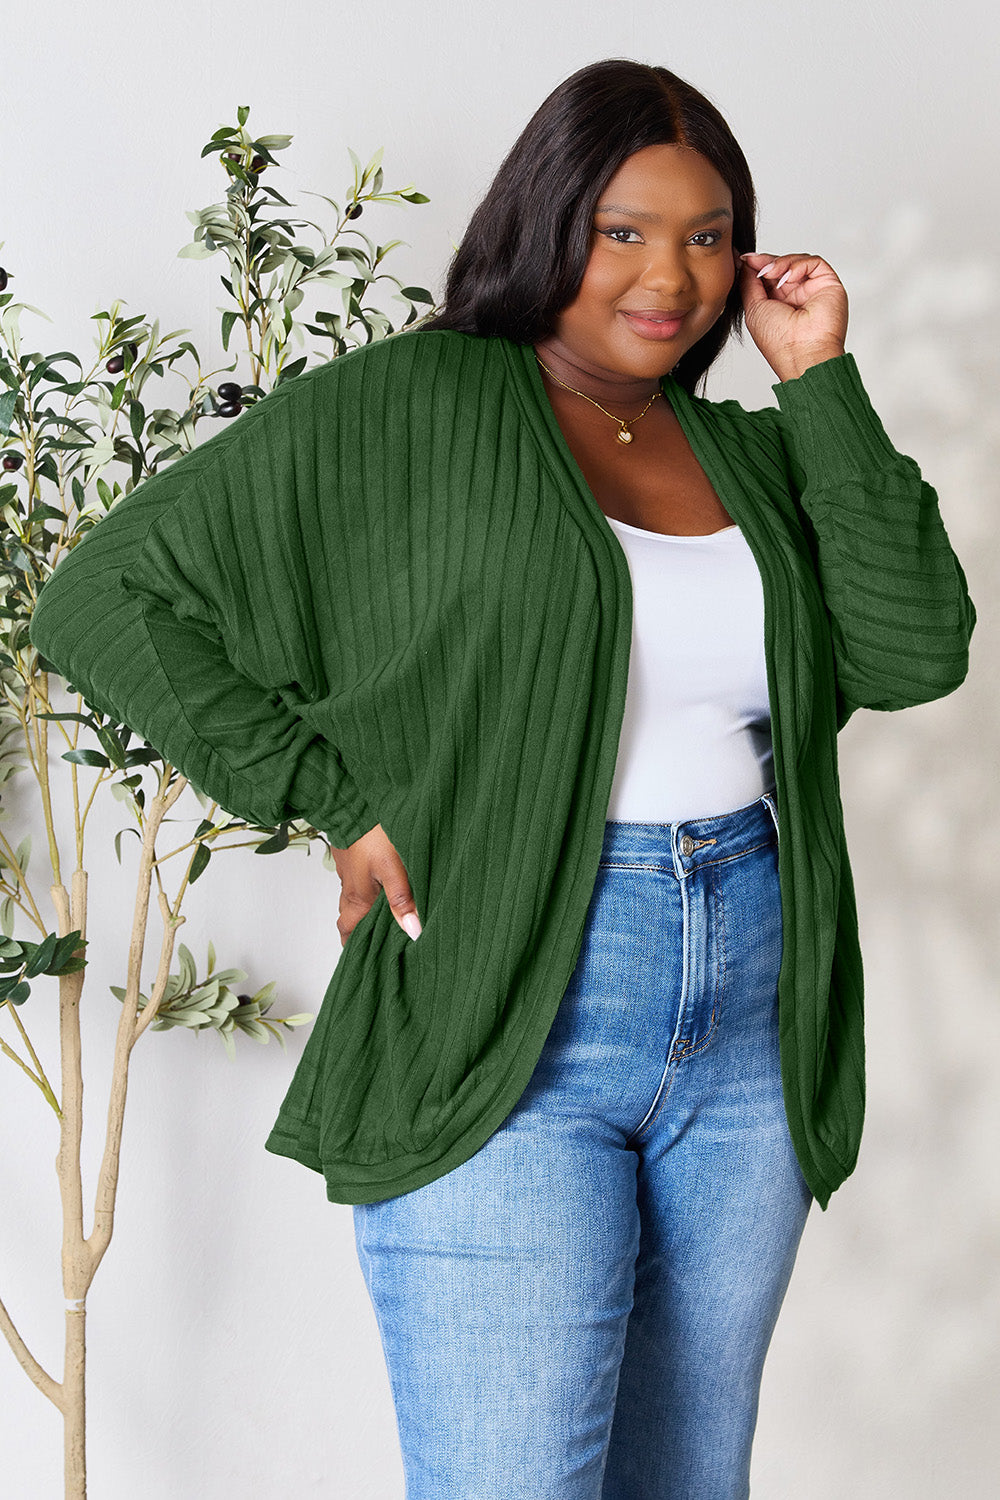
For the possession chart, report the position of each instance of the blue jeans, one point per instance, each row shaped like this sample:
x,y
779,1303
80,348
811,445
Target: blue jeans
x,y
581,1311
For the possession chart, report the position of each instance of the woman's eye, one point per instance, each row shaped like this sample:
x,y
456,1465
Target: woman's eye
x,y
702,232
620,229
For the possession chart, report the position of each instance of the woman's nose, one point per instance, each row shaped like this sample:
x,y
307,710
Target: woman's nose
x,y
668,269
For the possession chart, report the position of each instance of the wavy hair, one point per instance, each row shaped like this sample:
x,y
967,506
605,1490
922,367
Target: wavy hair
x,y
524,252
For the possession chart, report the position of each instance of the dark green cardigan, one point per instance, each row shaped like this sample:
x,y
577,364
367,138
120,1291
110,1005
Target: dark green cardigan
x,y
386,594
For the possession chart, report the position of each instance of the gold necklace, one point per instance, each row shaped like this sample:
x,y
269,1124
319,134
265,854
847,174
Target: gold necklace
x,y
624,433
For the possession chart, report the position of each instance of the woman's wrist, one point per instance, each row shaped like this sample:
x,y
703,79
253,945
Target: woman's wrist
x,y
796,363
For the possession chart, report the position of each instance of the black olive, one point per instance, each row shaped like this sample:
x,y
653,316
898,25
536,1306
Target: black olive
x,y
354,212
12,460
115,365
258,164
230,408
3,279
230,391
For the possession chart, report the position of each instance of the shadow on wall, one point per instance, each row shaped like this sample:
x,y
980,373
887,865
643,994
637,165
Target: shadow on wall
x,y
925,329
920,793
893,1317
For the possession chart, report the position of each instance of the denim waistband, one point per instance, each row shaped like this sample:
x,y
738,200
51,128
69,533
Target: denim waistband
x,y
685,845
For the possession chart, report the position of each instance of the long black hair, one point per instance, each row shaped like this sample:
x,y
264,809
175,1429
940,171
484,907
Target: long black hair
x,y
525,250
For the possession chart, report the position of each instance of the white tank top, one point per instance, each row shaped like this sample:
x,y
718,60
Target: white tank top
x,y
696,734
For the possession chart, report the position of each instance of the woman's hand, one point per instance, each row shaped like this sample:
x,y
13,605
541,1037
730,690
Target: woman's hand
x,y
795,307
365,867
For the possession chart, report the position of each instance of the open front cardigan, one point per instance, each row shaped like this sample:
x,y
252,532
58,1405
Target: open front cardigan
x,y
386,594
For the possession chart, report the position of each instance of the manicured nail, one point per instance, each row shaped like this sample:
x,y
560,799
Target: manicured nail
x,y
411,924
783,279
769,267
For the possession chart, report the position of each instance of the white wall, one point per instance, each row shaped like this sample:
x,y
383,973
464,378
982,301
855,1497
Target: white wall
x,y
233,1351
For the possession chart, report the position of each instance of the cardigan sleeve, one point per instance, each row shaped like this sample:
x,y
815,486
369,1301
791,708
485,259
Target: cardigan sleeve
x,y
147,616
896,593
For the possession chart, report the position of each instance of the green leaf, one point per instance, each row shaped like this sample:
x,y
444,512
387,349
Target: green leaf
x,y
137,419
45,513
228,976
118,839
40,959
276,844
82,718
140,758
290,371
254,1029
202,856
112,745
87,758
7,403
65,952
228,319
188,972
195,251
7,916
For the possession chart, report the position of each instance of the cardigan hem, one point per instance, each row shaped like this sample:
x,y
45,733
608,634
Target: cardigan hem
x,y
353,1187
355,1182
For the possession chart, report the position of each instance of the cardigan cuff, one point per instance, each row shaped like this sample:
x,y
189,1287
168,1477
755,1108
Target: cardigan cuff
x,y
836,433
324,792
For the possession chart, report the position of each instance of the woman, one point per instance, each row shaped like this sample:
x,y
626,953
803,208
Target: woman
x,y
550,647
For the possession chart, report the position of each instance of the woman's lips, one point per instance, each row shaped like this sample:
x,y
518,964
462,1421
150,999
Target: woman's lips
x,y
654,328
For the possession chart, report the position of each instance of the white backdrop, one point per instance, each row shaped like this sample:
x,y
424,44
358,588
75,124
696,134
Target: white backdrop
x,y
233,1351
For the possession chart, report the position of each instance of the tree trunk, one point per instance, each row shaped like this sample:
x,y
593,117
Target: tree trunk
x,y
74,1405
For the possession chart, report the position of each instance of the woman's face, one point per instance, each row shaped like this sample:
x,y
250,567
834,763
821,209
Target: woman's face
x,y
661,242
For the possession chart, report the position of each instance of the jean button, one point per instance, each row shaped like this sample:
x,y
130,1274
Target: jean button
x,y
687,845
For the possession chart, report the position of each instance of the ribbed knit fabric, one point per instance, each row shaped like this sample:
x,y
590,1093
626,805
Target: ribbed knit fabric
x,y
386,594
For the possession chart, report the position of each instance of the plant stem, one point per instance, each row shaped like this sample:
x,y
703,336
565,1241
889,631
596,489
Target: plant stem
x,y
29,1364
41,770
130,1025
77,1262
39,1078
11,859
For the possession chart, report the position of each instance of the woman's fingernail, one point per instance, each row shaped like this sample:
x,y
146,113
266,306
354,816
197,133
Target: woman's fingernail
x,y
411,924
769,267
783,279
